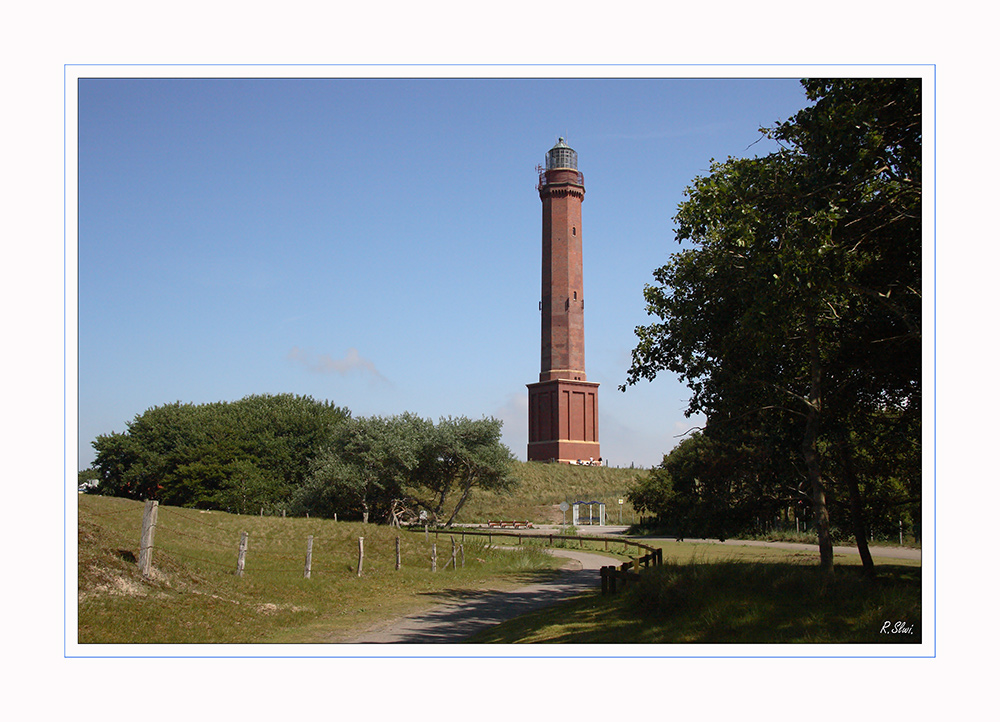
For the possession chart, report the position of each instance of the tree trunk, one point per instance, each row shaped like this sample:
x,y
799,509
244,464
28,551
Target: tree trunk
x,y
857,510
820,513
809,451
467,487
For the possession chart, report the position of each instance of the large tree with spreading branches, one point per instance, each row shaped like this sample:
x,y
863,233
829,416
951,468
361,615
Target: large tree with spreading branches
x,y
799,292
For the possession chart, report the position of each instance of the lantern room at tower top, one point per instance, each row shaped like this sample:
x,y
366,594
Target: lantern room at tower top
x,y
562,406
559,158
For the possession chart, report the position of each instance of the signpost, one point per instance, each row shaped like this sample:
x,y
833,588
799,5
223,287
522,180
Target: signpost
x,y
564,507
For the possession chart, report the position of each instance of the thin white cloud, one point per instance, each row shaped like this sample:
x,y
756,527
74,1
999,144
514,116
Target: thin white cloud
x,y
514,414
352,362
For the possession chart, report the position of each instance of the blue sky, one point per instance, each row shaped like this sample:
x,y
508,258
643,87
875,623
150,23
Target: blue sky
x,y
377,242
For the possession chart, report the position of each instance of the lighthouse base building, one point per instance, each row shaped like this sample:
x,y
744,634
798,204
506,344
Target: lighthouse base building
x,y
562,422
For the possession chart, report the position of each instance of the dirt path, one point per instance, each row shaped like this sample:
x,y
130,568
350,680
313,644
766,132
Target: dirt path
x,y
876,551
472,611
476,610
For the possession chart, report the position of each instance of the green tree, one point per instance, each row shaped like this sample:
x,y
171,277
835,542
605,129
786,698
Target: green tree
x,y
241,455
365,468
800,293
653,493
462,455
376,463
708,487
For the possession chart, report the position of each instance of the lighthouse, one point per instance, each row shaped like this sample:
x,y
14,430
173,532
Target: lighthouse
x,y
562,405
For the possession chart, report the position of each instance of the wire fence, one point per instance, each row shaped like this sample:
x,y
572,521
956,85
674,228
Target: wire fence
x,y
188,537
194,538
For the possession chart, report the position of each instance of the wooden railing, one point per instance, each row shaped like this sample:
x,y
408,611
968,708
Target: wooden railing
x,y
608,540
628,571
610,575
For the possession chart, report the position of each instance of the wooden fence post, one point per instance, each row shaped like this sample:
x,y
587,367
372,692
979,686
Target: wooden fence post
x,y
399,558
361,553
434,557
453,563
309,556
146,537
461,551
242,556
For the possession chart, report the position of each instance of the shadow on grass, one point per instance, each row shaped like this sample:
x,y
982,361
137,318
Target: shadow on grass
x,y
525,578
734,603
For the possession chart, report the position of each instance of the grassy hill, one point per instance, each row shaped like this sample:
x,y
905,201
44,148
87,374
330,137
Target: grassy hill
x,y
542,487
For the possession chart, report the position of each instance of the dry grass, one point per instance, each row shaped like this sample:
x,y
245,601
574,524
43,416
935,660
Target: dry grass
x,y
541,488
194,596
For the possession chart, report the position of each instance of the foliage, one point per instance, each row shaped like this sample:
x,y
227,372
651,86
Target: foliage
x,y
365,467
378,465
653,493
794,316
288,452
461,455
240,455
710,487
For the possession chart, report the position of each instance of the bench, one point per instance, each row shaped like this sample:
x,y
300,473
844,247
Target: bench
x,y
511,524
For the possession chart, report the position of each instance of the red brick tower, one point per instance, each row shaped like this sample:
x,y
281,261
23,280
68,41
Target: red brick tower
x,y
562,406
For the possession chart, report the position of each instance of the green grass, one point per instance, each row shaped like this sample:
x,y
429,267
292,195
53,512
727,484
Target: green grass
x,y
707,593
195,597
541,488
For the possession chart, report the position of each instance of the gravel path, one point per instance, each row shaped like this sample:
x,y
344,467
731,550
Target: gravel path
x,y
474,611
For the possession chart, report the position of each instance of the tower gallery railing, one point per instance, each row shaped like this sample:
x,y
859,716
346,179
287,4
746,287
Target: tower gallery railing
x,y
543,180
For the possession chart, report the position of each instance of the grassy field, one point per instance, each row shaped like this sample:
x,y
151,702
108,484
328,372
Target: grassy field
x,y
195,597
541,488
708,593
